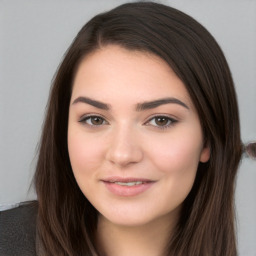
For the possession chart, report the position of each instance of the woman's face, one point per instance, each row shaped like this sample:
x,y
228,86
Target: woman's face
x,y
134,137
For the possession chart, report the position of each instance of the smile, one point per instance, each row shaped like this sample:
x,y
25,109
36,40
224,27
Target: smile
x,y
128,183
127,187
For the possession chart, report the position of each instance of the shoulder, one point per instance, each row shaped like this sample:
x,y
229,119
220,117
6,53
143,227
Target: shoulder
x,y
18,230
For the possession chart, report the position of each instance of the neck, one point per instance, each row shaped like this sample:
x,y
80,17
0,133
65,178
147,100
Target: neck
x,y
149,239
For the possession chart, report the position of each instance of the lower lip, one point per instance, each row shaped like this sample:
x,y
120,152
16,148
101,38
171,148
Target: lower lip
x,y
126,191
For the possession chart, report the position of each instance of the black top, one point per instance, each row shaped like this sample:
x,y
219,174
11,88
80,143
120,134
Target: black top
x,y
18,230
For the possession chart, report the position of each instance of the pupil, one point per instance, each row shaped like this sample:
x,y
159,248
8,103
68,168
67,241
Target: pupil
x,y
161,121
96,120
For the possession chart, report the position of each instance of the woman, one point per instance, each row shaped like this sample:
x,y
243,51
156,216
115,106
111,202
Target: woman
x,y
67,221
141,141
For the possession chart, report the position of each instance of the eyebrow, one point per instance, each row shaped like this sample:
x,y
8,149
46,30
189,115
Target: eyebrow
x,y
139,107
92,102
159,102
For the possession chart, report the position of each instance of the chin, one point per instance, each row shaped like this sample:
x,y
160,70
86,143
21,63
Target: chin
x,y
129,221
139,218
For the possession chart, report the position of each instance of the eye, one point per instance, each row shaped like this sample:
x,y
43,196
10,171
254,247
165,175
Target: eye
x,y
161,121
93,120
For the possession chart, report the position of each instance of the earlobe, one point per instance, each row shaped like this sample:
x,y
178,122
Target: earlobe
x,y
205,154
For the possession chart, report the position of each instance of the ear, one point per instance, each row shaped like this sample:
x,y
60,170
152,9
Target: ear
x,y
205,154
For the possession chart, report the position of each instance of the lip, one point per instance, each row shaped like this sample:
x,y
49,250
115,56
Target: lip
x,y
127,191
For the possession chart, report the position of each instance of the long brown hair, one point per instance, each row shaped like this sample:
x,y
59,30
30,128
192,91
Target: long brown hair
x,y
66,220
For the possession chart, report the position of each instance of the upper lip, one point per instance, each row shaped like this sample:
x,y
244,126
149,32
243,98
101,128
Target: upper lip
x,y
125,179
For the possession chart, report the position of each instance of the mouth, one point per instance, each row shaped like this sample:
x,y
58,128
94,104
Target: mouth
x,y
127,181
127,186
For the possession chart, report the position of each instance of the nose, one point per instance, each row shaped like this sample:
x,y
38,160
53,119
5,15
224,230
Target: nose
x,y
124,147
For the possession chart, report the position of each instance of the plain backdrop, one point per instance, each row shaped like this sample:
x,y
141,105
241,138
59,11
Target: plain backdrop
x,y
33,38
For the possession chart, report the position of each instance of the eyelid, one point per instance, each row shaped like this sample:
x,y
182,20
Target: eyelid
x,y
171,118
85,117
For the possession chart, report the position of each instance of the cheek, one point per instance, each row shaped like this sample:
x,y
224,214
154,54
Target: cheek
x,y
177,155
84,154
177,164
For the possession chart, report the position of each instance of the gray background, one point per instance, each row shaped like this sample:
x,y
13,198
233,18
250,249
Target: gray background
x,y
33,38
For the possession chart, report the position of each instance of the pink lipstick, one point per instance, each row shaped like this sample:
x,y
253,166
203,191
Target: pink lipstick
x,y
127,186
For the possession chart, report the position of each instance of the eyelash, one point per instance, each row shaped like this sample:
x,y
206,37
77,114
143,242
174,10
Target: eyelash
x,y
84,120
170,121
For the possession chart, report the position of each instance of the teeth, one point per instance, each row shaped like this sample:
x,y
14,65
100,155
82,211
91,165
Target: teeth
x,y
128,183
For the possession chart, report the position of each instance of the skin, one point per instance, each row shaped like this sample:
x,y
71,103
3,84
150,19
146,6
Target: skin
x,y
126,142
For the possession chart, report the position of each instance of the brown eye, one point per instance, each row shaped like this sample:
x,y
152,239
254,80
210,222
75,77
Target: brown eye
x,y
97,120
161,122
93,120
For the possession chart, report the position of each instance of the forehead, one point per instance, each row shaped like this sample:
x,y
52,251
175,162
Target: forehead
x,y
114,72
